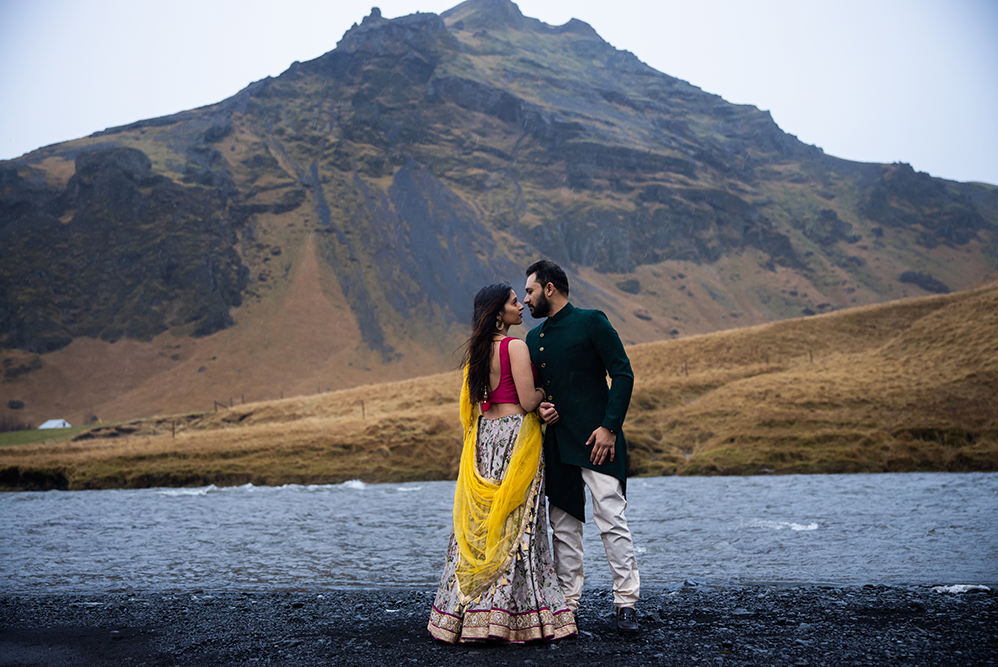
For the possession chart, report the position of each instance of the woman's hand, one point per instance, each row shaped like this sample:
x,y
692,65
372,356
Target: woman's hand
x,y
547,412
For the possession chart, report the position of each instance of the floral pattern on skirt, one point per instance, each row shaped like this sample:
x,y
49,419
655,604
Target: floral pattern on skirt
x,y
526,603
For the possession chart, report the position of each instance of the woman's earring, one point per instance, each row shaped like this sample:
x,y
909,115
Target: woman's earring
x,y
498,325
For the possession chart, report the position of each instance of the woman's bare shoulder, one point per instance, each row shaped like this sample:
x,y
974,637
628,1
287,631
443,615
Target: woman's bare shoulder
x,y
517,345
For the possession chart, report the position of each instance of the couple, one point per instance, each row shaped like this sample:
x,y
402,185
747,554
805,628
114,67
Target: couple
x,y
500,581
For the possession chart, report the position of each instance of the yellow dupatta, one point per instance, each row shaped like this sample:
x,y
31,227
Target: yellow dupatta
x,y
489,517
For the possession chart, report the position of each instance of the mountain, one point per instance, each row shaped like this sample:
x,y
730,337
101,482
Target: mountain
x,y
898,387
329,227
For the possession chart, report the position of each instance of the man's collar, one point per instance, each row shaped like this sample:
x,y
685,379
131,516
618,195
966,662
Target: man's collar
x,y
565,310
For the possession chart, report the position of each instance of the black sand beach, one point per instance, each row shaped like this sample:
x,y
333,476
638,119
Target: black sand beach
x,y
691,625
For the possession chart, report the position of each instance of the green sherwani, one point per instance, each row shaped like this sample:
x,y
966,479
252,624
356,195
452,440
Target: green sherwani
x,y
574,351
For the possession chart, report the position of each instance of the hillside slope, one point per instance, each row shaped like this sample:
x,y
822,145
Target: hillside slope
x,y
903,386
328,227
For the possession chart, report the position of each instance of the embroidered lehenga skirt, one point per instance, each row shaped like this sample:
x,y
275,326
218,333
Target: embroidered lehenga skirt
x,y
525,603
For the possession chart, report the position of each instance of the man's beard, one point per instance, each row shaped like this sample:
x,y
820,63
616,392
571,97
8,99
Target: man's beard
x,y
539,306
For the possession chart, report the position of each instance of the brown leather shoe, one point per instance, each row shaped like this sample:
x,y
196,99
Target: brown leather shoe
x,y
627,621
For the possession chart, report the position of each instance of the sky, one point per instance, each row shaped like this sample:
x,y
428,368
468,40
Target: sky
x,y
911,81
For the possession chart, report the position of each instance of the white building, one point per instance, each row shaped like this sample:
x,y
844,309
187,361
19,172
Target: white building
x,y
56,423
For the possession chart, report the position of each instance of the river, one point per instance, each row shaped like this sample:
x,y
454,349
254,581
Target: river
x,y
915,528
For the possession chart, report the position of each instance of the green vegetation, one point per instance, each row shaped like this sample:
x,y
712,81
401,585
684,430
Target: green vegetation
x,y
31,436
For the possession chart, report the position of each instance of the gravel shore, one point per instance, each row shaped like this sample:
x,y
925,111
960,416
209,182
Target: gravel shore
x,y
688,625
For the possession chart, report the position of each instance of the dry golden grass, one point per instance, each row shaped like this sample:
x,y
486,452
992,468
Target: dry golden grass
x,y
898,387
388,432
903,386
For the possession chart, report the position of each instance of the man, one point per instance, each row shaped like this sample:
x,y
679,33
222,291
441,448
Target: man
x,y
574,350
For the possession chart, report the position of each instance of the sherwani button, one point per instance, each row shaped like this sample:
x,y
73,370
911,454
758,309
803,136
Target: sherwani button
x,y
548,383
542,349
550,398
542,335
543,365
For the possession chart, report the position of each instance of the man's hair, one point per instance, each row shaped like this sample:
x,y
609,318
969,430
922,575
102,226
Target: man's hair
x,y
549,272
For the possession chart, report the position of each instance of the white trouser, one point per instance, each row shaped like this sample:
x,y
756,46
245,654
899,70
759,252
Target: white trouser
x,y
608,513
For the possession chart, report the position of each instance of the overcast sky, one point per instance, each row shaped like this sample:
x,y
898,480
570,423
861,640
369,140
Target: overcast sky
x,y
872,80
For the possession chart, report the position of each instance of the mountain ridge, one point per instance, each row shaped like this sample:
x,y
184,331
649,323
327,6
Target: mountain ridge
x,y
427,155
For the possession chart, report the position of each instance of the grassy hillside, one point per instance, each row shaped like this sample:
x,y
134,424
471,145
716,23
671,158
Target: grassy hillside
x,y
902,386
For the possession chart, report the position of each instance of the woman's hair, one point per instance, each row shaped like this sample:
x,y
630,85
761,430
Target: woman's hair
x,y
489,303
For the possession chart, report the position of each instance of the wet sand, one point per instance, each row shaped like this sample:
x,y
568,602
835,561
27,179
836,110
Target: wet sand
x,y
688,625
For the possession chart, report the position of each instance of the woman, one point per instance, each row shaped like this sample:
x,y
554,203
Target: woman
x,y
499,581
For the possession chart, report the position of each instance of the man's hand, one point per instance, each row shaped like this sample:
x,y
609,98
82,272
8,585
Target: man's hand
x,y
602,441
547,412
